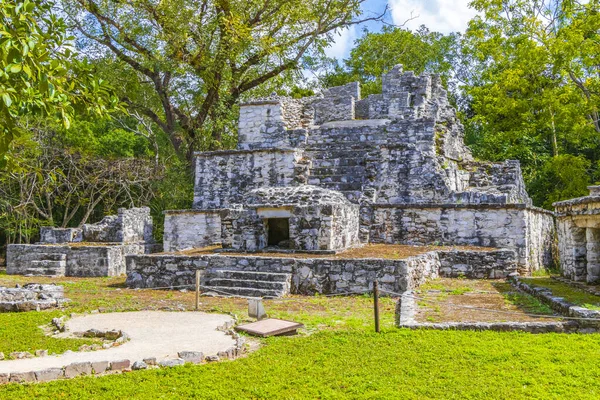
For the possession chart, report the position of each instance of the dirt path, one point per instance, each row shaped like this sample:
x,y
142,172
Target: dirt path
x,y
153,334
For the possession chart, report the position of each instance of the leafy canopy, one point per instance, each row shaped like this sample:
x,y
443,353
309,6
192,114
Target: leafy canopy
x,y
201,57
39,74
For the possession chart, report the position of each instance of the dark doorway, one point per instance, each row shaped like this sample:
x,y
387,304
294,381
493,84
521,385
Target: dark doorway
x,y
278,231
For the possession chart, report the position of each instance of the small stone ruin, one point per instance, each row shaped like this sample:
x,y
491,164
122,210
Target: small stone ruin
x,y
578,226
31,297
93,250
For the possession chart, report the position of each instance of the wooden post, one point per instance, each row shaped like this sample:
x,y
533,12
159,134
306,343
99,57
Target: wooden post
x,y
376,304
197,289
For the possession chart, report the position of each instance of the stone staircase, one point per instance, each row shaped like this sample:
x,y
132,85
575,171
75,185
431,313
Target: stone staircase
x,y
246,283
344,169
53,264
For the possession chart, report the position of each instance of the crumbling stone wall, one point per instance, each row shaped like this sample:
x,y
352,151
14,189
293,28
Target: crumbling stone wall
x,y
319,219
128,226
320,275
31,297
223,177
578,222
188,229
53,235
65,260
529,233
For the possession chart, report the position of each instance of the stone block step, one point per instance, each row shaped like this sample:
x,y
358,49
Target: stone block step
x,y
53,257
47,267
244,291
247,284
248,275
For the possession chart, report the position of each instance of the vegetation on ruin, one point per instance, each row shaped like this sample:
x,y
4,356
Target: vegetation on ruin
x,y
570,293
385,251
443,299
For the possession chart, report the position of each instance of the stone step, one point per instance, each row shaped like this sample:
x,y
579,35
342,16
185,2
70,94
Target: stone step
x,y
53,257
46,267
247,275
244,291
337,162
216,282
339,170
318,179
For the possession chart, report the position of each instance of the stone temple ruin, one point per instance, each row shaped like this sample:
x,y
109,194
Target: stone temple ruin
x,y
578,226
333,172
93,250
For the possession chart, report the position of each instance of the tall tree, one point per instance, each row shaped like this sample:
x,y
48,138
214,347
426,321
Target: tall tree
x,y
377,52
201,56
39,74
532,87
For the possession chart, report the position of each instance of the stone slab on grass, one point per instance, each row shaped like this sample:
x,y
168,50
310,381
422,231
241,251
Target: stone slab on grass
x,y
120,365
21,377
49,374
270,327
77,369
100,367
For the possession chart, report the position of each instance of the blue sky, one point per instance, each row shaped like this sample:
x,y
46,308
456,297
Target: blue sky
x,y
438,15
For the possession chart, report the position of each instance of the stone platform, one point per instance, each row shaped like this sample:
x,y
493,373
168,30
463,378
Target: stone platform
x,y
327,274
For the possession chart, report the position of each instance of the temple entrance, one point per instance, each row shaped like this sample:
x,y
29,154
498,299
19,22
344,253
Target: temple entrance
x,y
278,230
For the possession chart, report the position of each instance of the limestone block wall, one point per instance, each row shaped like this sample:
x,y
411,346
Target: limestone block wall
x,y
477,264
321,275
128,226
101,260
578,222
572,249
337,103
53,235
187,229
528,232
309,276
223,177
259,118
311,227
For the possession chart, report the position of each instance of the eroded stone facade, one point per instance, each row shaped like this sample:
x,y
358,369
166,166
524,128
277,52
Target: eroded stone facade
x,y
397,159
578,226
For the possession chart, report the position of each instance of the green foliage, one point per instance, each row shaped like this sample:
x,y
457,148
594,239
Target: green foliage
x,y
561,177
188,64
394,364
39,74
376,53
531,91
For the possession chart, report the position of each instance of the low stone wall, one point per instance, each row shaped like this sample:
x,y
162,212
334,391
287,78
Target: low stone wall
x,y
315,275
531,327
65,260
31,297
477,264
188,229
557,303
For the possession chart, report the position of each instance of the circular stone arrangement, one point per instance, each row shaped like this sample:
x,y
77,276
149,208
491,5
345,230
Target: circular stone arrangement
x,y
156,338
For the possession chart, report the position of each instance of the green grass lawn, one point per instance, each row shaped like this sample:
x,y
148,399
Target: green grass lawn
x,y
397,364
337,356
22,332
570,293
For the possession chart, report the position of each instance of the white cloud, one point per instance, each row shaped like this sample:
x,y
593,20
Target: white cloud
x,y
443,16
343,42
